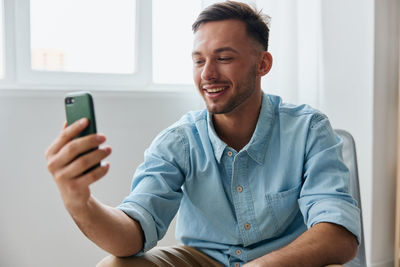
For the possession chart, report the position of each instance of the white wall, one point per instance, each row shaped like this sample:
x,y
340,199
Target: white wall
x,y
347,92
359,94
35,228
386,83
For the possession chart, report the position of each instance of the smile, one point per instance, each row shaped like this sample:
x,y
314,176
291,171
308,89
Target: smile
x,y
215,90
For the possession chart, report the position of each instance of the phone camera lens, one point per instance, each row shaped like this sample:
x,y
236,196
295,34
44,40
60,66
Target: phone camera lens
x,y
69,100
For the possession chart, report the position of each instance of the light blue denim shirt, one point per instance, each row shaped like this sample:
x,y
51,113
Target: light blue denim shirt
x,y
238,206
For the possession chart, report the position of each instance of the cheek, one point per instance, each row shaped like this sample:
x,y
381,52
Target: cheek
x,y
241,71
196,75
233,70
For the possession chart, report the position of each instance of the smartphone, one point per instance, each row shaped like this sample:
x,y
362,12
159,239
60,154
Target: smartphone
x,y
80,105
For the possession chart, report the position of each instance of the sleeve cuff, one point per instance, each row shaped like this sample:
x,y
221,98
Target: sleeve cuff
x,y
338,212
145,220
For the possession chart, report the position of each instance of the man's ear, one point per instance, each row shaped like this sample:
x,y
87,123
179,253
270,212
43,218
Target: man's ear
x,y
264,64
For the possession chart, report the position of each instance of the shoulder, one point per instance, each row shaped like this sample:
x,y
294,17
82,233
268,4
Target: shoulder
x,y
291,113
172,144
188,125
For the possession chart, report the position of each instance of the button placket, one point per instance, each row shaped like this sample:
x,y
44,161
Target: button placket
x,y
242,200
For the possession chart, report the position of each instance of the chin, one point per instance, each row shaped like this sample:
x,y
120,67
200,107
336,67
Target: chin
x,y
216,110
213,110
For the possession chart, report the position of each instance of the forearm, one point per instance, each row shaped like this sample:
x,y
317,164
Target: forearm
x,y
71,160
110,228
321,245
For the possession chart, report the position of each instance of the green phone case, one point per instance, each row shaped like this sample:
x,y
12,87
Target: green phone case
x,y
80,105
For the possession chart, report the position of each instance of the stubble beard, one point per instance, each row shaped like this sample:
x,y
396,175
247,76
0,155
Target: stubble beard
x,y
244,89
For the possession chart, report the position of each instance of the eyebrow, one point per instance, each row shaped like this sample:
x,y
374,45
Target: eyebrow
x,y
227,48
218,50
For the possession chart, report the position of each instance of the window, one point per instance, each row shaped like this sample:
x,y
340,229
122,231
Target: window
x,y
172,40
99,44
137,44
88,36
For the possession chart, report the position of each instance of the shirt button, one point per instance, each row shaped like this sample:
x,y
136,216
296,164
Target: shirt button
x,y
247,226
237,264
230,153
239,189
238,252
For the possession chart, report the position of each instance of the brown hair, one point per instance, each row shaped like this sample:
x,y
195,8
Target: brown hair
x,y
256,22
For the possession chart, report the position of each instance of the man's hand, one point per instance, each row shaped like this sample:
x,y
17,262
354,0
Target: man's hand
x,y
68,166
108,227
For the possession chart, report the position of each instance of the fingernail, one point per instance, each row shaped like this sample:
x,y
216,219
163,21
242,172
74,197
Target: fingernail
x,y
82,121
101,138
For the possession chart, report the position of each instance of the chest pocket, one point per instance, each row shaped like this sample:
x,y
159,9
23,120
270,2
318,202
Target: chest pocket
x,y
281,209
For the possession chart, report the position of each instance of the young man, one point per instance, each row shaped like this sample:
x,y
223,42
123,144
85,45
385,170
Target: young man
x,y
257,182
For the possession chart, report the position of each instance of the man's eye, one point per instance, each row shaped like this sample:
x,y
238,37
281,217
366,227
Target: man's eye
x,y
198,62
224,58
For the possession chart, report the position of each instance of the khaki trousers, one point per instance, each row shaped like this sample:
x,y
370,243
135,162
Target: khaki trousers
x,y
182,256
174,256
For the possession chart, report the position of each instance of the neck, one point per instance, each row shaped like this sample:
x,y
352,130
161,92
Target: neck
x,y
237,127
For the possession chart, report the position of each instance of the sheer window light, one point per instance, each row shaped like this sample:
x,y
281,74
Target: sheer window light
x,y
172,40
94,36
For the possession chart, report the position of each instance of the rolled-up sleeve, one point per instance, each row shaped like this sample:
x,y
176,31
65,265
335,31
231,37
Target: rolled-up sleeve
x,y
325,195
156,188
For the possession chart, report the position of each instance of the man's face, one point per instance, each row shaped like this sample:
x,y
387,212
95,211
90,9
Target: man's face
x,y
225,65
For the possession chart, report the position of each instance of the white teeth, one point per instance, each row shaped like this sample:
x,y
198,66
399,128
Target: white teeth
x,y
215,90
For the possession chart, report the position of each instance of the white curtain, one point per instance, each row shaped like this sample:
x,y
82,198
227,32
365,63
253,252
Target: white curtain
x,y
296,48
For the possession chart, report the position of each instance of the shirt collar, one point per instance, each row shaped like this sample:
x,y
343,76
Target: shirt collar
x,y
218,145
257,146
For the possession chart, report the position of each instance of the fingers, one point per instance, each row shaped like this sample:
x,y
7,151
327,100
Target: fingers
x,y
94,175
72,150
73,163
66,135
77,147
77,167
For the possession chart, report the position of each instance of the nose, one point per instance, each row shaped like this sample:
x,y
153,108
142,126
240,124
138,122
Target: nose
x,y
209,72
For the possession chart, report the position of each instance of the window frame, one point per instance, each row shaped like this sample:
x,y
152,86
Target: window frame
x,y
8,33
17,49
